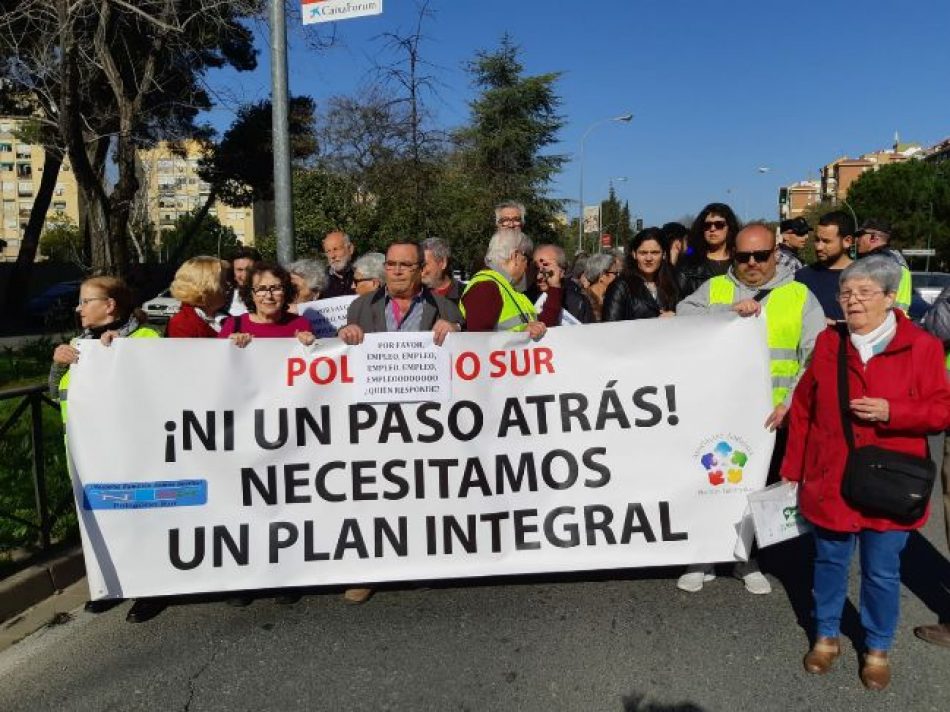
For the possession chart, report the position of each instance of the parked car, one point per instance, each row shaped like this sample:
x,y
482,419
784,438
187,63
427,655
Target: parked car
x,y
55,306
929,284
163,307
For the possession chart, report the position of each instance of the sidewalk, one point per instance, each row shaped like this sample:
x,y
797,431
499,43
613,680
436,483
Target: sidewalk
x,y
37,583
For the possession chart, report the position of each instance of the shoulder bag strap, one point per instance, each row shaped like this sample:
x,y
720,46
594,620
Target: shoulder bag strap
x,y
761,294
843,386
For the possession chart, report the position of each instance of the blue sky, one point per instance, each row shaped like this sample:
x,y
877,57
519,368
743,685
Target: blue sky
x,y
718,88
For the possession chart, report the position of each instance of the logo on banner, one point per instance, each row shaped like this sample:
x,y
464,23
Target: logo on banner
x,y
145,495
723,459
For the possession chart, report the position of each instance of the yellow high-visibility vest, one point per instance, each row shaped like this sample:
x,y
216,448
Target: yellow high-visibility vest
x,y
783,320
516,309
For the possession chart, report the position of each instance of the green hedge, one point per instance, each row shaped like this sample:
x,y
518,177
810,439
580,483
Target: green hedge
x,y
22,366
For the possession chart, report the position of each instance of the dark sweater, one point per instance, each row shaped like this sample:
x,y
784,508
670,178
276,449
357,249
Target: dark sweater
x,y
823,283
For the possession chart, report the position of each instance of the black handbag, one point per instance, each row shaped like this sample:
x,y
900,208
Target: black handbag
x,y
877,481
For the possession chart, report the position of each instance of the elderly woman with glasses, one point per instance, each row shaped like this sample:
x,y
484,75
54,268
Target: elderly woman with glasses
x,y
897,395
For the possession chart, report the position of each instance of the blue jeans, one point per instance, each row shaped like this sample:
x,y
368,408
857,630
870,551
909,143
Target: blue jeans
x,y
880,582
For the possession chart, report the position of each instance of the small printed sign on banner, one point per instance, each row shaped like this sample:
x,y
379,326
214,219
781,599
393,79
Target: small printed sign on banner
x,y
402,368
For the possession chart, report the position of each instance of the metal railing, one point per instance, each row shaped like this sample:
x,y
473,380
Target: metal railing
x,y
33,398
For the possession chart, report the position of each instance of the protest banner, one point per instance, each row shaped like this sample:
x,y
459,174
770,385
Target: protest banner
x,y
326,316
625,444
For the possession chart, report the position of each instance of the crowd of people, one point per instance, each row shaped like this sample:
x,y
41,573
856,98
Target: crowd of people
x,y
835,326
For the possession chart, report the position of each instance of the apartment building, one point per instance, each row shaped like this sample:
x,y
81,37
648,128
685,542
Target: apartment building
x,y
21,169
171,188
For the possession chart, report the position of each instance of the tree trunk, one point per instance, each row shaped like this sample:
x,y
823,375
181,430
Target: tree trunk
x,y
19,283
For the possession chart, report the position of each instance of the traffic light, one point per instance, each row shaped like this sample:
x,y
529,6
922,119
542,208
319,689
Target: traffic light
x,y
639,224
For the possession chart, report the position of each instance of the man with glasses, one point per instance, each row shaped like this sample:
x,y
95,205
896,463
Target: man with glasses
x,y
874,238
494,298
510,214
794,318
403,303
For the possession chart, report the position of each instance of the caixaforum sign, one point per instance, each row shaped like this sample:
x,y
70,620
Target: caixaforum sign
x,y
314,11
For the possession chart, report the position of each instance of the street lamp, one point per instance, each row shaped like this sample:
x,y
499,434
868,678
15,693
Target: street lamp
x,y
625,118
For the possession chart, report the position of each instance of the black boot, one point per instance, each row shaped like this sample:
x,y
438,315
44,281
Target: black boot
x,y
102,605
145,609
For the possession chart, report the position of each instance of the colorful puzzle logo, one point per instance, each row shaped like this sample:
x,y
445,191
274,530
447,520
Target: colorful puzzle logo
x,y
724,464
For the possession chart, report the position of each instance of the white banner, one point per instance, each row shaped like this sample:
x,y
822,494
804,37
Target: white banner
x,y
314,11
608,446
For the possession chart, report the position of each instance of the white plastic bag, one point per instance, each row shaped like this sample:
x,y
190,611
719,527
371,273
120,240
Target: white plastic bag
x,y
775,514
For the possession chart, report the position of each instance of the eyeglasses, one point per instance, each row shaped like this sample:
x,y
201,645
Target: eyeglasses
x,y
506,221
612,273
714,225
393,265
268,289
360,280
862,295
83,302
759,255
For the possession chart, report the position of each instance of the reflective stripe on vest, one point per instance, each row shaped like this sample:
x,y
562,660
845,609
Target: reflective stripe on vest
x,y
516,309
143,332
904,291
783,322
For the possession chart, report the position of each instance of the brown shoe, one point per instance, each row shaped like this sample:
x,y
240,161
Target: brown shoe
x,y
938,634
355,596
820,658
876,670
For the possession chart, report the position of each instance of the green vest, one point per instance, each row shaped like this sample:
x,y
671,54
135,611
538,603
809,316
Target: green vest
x,y
783,320
904,291
516,309
143,332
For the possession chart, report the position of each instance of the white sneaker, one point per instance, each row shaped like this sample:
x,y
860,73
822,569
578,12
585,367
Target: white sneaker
x,y
694,578
755,582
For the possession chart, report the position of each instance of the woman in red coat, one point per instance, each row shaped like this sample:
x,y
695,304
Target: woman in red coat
x,y
201,285
898,395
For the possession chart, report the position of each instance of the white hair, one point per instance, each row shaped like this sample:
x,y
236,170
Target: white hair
x,y
504,243
880,269
370,266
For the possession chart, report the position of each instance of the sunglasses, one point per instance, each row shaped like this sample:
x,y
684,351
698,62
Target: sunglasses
x,y
714,224
759,255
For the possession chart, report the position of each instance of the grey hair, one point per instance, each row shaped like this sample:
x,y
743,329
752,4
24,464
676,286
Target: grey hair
x,y
438,247
881,270
370,265
597,265
503,243
346,238
510,204
559,255
314,273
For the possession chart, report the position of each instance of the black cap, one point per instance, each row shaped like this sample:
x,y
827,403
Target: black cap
x,y
797,225
875,225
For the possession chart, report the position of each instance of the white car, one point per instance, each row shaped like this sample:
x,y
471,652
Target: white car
x,y
929,284
163,307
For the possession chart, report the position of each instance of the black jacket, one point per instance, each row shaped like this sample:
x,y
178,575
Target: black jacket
x,y
623,302
339,285
693,273
575,302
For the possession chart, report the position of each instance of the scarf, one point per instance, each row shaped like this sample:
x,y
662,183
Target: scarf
x,y
875,341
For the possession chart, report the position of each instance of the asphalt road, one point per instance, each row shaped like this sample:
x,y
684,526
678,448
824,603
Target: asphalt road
x,y
622,640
